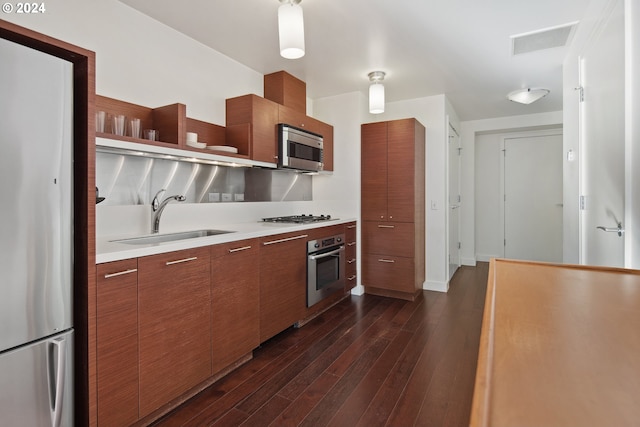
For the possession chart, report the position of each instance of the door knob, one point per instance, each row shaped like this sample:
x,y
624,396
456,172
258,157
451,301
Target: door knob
x,y
618,229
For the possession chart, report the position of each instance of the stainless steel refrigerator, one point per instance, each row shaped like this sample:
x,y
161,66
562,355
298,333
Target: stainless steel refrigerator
x,y
36,232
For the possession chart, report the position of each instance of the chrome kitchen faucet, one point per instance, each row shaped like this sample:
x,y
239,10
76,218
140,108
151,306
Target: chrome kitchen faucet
x,y
157,207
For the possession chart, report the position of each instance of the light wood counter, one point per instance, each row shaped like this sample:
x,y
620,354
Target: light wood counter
x,y
560,346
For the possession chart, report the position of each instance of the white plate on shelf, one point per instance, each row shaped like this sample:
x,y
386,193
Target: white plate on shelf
x,y
226,148
196,144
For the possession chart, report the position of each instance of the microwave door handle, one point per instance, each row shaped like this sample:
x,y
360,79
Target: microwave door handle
x,y
334,252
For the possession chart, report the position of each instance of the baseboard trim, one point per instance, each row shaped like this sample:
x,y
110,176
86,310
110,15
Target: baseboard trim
x,y
357,290
430,285
468,261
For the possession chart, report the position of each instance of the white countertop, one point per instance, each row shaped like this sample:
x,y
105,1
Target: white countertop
x,y
107,250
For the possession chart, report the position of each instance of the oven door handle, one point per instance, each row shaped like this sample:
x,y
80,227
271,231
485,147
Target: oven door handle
x,y
334,252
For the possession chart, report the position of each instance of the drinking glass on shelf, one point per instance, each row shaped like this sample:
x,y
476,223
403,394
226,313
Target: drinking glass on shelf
x,y
151,134
100,120
134,128
118,124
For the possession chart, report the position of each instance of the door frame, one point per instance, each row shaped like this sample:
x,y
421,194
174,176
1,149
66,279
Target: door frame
x,y
452,132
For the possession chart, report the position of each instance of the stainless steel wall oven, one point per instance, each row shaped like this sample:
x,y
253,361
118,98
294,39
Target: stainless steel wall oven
x,y
325,267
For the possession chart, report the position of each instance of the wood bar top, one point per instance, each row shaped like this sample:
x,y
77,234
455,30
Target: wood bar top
x,y
560,346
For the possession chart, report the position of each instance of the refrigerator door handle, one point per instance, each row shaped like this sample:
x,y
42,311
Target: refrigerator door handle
x,y
56,366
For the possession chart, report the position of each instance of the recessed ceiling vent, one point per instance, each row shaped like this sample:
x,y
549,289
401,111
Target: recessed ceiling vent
x,y
543,39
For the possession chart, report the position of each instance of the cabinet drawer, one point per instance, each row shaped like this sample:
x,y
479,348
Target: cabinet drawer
x,y
393,238
385,272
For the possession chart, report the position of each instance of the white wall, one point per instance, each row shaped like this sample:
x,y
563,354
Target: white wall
x,y
469,132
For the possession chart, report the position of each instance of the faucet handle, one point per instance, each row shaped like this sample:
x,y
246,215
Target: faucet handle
x,y
155,203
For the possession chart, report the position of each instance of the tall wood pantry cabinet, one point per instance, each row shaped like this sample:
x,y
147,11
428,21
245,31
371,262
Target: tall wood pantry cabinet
x,y
393,208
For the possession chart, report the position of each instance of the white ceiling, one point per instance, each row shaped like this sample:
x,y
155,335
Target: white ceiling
x,y
461,48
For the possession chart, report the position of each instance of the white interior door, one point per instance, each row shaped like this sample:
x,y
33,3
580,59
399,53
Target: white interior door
x,y
454,201
533,198
602,177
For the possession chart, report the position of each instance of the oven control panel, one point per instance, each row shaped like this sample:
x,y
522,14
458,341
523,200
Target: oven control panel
x,y
326,242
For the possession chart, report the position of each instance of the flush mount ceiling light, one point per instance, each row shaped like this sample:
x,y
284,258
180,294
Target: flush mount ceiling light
x,y
527,95
291,29
376,92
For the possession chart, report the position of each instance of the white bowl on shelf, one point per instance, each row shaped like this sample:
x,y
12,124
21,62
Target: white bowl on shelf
x,y
226,148
196,144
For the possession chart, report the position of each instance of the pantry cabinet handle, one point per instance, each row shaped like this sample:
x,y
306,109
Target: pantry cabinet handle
x,y
351,261
272,242
244,248
351,278
386,226
386,260
351,243
120,273
179,261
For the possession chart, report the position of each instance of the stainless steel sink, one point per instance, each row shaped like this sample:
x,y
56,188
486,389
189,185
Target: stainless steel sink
x,y
169,237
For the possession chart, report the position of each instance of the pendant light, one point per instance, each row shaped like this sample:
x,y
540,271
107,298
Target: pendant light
x,y
376,92
291,29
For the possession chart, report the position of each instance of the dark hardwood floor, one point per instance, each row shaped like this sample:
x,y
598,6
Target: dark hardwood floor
x,y
369,361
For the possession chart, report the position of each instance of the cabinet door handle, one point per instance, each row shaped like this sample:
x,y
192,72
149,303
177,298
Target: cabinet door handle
x,y
244,248
386,226
351,226
386,260
120,273
351,278
351,243
179,261
351,261
272,242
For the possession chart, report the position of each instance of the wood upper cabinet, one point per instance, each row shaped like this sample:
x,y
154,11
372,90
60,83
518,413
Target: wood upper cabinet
x,y
392,170
235,301
174,309
284,89
374,171
283,278
251,125
117,342
393,211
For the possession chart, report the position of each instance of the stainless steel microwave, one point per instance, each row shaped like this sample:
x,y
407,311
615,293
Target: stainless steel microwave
x,y
299,149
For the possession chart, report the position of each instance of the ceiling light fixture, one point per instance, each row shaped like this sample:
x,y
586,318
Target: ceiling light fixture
x,y
376,92
291,29
527,95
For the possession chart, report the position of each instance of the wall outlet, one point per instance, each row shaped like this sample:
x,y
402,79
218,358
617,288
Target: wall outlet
x,y
227,197
214,197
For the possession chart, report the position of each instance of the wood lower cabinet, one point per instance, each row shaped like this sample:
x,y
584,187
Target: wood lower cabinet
x,y
235,301
283,278
174,309
393,198
351,273
117,342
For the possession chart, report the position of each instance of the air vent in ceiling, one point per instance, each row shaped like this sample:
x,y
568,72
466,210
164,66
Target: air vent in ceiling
x,y
542,39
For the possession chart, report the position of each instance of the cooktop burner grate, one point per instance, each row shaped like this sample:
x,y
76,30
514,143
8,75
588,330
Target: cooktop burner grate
x,y
298,219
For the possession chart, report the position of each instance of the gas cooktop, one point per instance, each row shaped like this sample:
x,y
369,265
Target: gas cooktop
x,y
299,219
